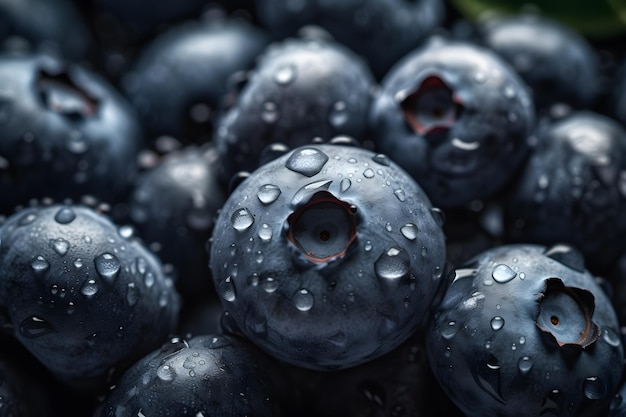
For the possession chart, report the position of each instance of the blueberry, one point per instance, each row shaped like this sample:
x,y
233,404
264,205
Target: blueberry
x,y
300,90
190,64
456,117
173,206
573,187
379,30
328,256
555,61
209,375
81,296
65,133
524,330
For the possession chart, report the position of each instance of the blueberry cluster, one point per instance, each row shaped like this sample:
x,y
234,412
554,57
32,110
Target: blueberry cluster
x,y
356,208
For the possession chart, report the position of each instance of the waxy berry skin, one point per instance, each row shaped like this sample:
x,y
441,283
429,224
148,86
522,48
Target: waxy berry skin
x,y
328,256
525,330
456,117
66,133
81,296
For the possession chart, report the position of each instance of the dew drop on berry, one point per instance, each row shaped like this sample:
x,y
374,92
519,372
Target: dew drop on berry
x,y
60,246
595,388
132,294
269,113
524,364
345,185
89,288
33,327
303,300
166,373
409,231
269,284
242,219
27,219
438,215
265,232
339,114
307,161
227,290
381,159
449,330
126,231
503,274
611,337
394,263
368,173
78,263
285,75
107,266
497,323
400,195
40,264
268,193
64,215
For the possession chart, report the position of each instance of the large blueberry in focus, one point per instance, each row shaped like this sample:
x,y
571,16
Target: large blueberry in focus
x,y
328,256
379,30
573,188
178,82
300,90
208,375
456,117
557,63
82,297
525,330
64,133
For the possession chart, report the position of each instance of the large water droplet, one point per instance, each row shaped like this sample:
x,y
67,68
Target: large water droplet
x,y
65,215
107,266
227,290
60,246
503,274
303,300
89,288
285,75
307,161
524,364
394,263
497,323
265,232
268,193
595,388
409,231
33,327
242,219
39,264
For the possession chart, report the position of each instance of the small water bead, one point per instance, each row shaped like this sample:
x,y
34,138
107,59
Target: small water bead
x,y
269,113
392,264
40,264
89,288
107,266
166,373
126,231
303,300
409,231
27,219
285,75
265,232
449,330
595,388
65,215
339,114
269,284
400,195
503,273
149,279
438,215
524,364
242,219
60,246
611,337
368,246
497,323
307,161
227,290
381,159
33,327
78,263
369,173
132,294
345,185
268,193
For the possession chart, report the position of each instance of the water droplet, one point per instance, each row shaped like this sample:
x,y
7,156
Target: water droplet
x,y
438,215
78,263
509,92
227,290
503,274
265,232
65,215
381,159
107,266
269,284
480,77
242,219
268,193
89,288
368,246
33,327
449,330
132,294
269,113
338,115
345,185
394,263
464,273
497,323
409,231
285,75
303,300
368,173
522,340
611,337
524,364
166,373
39,264
307,161
595,388
27,219
126,231
60,246
400,195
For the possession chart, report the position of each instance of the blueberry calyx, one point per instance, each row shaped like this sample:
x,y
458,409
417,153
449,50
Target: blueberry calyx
x,y
323,228
565,315
431,109
61,94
